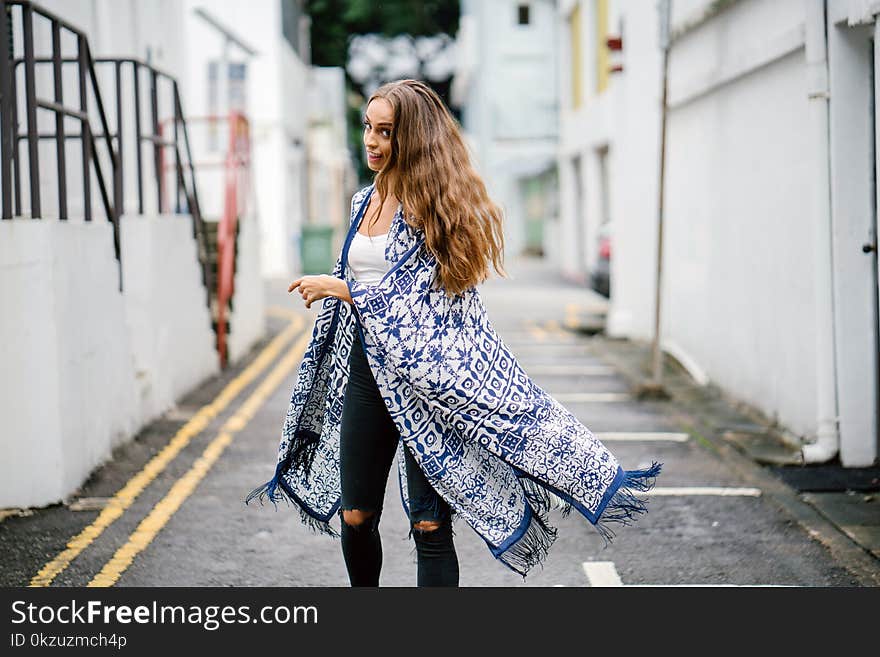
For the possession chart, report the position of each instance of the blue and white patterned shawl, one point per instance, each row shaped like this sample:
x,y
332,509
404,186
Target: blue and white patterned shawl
x,y
499,449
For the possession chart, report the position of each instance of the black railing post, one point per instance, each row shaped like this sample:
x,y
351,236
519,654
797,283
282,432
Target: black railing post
x,y
157,146
31,94
119,192
189,158
111,208
16,159
177,165
60,143
7,99
82,66
192,201
137,134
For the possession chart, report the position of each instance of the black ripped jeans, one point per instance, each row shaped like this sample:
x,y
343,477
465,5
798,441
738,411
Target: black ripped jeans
x,y
367,445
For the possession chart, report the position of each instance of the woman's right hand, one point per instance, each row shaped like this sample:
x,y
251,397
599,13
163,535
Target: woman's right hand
x,y
315,287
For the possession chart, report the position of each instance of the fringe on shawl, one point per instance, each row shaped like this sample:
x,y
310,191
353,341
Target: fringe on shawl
x,y
532,547
300,458
623,507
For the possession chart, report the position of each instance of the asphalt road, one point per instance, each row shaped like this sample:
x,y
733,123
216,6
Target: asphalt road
x,y
188,526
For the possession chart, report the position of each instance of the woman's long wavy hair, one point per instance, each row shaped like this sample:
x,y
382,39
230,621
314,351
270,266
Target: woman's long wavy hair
x,y
439,189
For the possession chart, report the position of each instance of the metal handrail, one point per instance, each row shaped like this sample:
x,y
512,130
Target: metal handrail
x,y
237,180
185,179
9,139
236,165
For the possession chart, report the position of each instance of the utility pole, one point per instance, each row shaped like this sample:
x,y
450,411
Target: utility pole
x,y
654,388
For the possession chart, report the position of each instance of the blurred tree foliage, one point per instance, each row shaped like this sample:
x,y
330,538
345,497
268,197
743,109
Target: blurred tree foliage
x,y
335,22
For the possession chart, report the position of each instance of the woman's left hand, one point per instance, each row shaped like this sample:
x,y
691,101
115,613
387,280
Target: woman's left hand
x,y
316,287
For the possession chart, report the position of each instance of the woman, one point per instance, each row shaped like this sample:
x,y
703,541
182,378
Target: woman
x,y
403,358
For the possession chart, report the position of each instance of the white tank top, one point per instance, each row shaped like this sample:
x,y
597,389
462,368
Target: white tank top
x,y
366,257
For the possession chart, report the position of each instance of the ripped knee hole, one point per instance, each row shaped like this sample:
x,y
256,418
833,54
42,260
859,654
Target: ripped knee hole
x,y
357,518
427,525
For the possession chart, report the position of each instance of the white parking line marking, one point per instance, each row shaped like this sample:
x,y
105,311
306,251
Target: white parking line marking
x,y
639,436
710,586
704,490
535,338
602,573
573,370
590,396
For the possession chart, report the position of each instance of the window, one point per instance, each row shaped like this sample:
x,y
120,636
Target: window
x,y
237,90
523,15
225,93
235,84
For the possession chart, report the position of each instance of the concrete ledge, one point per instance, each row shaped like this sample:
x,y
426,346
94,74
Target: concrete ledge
x,y
85,365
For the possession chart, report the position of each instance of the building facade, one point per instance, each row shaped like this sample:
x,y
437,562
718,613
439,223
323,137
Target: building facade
x,y
253,57
769,271
101,330
505,85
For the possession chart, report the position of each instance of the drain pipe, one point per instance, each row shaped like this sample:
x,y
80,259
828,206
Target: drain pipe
x,y
827,443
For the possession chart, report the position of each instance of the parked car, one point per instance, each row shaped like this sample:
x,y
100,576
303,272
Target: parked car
x,y
600,275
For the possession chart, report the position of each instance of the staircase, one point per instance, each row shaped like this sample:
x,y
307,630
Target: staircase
x,y
173,172
221,237
212,254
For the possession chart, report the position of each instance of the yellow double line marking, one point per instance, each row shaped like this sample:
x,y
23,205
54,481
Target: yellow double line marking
x,y
571,315
167,507
546,330
124,498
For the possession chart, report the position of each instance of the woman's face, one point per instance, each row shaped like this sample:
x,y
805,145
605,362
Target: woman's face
x,y
378,123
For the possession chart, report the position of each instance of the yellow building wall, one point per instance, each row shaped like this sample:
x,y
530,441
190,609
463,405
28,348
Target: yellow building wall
x,y
602,60
577,58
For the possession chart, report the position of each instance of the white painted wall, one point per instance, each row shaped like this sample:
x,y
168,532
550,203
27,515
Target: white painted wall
x,y
84,366
854,223
635,158
583,131
331,179
169,322
738,294
510,107
67,395
291,167
247,323
740,246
